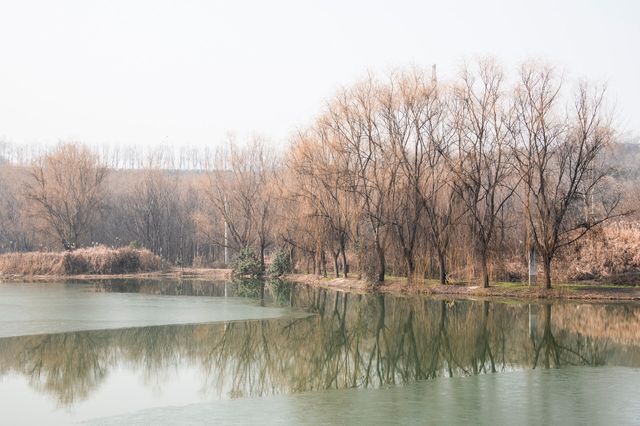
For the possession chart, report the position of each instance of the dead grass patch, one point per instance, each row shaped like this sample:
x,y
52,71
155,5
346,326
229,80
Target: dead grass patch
x,y
94,260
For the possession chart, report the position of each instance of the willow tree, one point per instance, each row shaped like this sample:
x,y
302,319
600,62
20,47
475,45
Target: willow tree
x,y
354,117
481,161
319,177
67,189
442,210
558,154
405,108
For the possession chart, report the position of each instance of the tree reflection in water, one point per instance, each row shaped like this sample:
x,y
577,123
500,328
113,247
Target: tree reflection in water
x,y
350,341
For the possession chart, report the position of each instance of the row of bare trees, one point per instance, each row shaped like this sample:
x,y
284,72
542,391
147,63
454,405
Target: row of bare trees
x,y
458,171
404,176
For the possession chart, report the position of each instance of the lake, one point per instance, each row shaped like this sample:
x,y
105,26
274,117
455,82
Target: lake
x,y
189,352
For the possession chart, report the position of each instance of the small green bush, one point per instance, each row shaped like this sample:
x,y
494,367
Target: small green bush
x,y
281,264
246,264
135,244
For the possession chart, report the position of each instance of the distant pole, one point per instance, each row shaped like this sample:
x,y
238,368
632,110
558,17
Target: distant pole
x,y
226,234
226,244
434,77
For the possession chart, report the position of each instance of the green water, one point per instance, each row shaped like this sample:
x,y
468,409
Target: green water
x,y
578,396
193,352
56,307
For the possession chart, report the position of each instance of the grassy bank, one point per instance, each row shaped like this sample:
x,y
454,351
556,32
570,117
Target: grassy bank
x,y
102,263
575,291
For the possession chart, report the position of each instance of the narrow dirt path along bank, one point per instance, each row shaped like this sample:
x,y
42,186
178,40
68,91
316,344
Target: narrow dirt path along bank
x,y
575,291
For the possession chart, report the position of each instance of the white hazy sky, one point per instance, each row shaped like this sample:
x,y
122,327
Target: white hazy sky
x,y
189,72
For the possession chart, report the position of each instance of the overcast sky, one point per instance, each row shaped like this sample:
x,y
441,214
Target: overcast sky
x,y
189,72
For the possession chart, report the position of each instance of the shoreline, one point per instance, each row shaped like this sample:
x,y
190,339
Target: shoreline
x,y
573,291
586,291
210,274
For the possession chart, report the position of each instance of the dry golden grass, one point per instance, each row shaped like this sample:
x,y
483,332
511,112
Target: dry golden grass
x,y
611,254
94,260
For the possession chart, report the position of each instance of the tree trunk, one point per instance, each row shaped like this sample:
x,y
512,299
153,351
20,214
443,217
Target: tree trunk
x,y
335,263
442,269
323,265
547,271
484,268
292,259
381,263
345,267
74,241
410,265
262,257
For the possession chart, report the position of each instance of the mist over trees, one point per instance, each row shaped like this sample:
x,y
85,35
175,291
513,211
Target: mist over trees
x,y
404,175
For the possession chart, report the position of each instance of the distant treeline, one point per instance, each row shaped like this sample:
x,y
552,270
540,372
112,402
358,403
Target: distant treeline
x,y
408,176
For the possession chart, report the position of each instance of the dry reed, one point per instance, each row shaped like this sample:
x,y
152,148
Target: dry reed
x,y
94,260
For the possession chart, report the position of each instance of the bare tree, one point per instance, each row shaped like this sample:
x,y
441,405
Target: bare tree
x,y
354,118
481,164
323,176
240,190
406,107
558,156
437,190
67,191
157,208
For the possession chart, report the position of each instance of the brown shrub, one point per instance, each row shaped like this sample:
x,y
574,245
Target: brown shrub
x,y
94,260
612,253
609,254
511,270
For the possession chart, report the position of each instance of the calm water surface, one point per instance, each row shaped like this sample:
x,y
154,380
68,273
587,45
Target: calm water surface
x,y
194,352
